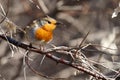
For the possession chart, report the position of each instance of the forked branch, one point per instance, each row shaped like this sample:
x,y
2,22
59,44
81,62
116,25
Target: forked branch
x,y
49,54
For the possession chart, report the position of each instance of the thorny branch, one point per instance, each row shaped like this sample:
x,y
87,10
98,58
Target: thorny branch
x,y
88,69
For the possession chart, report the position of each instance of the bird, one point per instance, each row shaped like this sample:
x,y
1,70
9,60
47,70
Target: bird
x,y
40,31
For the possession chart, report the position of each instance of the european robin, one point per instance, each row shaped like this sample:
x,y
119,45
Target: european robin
x,y
41,30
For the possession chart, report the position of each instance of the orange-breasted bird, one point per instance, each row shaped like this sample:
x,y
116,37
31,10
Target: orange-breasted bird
x,y
41,30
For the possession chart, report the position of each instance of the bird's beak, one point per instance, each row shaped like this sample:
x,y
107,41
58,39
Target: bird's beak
x,y
59,23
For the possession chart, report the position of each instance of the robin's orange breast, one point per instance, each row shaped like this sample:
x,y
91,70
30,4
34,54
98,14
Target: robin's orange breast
x,y
41,34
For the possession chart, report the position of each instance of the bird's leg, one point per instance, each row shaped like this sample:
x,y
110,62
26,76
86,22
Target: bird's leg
x,y
42,47
30,45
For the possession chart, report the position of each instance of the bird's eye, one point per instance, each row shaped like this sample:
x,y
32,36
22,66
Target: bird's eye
x,y
49,22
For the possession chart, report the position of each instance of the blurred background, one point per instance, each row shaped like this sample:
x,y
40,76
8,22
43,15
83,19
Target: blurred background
x,y
78,17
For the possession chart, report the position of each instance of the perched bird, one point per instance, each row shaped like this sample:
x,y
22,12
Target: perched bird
x,y
41,30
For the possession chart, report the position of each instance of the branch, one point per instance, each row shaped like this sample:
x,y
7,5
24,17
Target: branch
x,y
55,58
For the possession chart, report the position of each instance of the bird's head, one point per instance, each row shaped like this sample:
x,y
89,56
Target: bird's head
x,y
49,23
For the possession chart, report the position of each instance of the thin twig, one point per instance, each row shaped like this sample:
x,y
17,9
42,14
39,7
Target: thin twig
x,y
3,11
31,68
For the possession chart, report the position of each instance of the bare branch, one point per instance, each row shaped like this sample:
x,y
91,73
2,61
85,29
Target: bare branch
x,y
55,58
